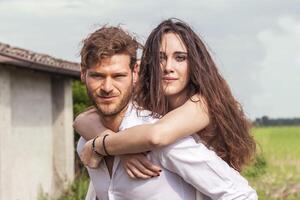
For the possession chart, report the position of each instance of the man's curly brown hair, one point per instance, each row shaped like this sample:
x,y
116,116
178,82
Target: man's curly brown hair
x,y
106,42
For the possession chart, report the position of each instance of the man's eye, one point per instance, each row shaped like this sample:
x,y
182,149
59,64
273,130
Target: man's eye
x,y
120,76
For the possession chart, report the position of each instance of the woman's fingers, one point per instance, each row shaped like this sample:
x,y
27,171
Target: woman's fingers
x,y
130,174
139,165
137,173
150,166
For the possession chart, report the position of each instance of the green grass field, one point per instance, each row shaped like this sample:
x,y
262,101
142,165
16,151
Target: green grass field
x,y
280,148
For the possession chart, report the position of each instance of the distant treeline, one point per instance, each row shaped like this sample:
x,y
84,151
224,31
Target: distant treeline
x,y
266,121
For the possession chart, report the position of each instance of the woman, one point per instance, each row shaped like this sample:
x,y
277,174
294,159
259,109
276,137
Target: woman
x,y
179,81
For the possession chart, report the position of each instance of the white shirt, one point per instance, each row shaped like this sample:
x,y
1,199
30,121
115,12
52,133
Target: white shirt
x,y
190,171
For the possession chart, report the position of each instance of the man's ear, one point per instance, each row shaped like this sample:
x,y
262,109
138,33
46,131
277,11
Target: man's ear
x,y
83,75
135,72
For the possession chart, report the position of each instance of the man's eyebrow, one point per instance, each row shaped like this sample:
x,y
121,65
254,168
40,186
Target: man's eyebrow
x,y
99,73
94,73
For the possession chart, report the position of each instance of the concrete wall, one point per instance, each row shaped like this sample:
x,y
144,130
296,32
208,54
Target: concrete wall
x,y
36,136
63,148
5,128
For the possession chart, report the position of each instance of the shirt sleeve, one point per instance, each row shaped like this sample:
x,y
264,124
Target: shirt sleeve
x,y
80,145
91,194
204,170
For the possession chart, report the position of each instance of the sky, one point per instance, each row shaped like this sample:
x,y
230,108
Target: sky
x,y
256,43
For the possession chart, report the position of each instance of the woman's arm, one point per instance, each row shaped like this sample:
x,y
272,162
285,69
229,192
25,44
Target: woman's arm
x,y
185,120
88,124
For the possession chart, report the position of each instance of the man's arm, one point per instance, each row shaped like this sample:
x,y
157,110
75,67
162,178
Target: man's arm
x,y
205,171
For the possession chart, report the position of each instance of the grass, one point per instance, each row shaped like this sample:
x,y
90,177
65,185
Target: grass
x,y
280,149
76,191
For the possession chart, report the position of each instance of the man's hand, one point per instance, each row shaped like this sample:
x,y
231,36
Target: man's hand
x,y
88,157
138,166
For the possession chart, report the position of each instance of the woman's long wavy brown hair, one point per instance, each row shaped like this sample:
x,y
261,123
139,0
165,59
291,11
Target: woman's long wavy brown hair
x,y
228,132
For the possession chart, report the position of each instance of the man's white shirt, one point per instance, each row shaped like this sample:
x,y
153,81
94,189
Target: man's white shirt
x,y
191,171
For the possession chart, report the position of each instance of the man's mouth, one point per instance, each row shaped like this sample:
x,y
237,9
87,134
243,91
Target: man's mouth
x,y
107,98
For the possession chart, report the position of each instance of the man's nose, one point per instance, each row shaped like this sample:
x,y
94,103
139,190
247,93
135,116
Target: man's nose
x,y
107,86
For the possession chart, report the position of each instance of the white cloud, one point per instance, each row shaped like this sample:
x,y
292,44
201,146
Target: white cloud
x,y
280,77
251,40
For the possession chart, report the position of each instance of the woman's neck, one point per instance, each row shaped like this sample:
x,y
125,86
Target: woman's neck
x,y
177,100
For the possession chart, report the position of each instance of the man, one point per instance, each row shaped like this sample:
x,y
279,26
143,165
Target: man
x,y
108,70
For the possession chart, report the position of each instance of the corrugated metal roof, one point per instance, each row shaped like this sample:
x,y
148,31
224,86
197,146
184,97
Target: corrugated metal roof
x,y
28,59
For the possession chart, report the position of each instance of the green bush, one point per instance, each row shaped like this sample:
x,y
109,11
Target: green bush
x,y
80,98
80,101
258,168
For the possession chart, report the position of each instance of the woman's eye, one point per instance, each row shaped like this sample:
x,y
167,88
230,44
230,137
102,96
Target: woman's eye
x,y
162,58
180,58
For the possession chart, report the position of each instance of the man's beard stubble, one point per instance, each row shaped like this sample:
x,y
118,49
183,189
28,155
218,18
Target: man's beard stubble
x,y
118,109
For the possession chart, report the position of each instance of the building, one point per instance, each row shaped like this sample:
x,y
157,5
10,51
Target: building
x,y
36,135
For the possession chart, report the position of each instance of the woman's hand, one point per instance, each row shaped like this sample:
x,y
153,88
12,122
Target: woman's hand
x,y
88,157
138,166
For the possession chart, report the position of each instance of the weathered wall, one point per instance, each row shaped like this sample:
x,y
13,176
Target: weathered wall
x,y
5,129
36,137
63,145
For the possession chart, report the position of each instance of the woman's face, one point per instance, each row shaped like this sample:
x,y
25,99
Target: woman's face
x,y
174,64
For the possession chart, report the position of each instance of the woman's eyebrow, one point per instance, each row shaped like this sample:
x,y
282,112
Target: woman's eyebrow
x,y
176,52
180,52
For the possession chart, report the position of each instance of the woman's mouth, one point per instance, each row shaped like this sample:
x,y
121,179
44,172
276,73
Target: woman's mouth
x,y
167,79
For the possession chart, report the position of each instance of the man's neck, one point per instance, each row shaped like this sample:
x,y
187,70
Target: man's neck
x,y
113,122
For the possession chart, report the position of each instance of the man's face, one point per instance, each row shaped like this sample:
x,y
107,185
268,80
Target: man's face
x,y
110,84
